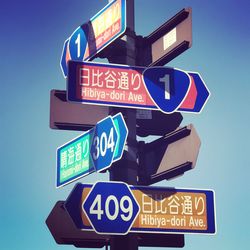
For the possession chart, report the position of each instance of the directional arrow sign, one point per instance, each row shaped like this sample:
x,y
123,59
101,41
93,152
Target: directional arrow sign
x,y
171,38
169,156
64,231
122,133
93,36
198,95
73,116
110,208
157,88
95,150
82,117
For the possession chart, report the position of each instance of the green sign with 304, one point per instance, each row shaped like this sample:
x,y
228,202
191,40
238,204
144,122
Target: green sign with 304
x,y
73,159
93,151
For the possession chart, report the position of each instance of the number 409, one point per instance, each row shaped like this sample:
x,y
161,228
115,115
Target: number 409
x,y
126,209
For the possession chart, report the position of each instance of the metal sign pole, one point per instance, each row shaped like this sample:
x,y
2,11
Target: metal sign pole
x,y
126,170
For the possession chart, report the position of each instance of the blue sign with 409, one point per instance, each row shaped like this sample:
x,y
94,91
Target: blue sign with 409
x,y
116,208
111,207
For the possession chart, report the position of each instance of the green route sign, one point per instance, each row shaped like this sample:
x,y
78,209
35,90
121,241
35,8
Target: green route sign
x,y
74,159
95,150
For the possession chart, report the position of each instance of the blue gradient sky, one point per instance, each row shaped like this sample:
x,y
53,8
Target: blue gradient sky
x,y
32,36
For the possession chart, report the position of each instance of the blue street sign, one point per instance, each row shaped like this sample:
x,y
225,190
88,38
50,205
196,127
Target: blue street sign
x,y
96,34
115,208
103,144
156,88
95,150
111,208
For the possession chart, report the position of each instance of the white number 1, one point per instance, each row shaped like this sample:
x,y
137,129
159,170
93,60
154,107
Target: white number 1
x,y
166,81
77,42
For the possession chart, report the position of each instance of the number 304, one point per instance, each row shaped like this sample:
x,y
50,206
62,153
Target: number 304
x,y
103,144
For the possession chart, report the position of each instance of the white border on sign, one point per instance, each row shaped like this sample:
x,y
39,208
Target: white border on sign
x,y
126,128
67,40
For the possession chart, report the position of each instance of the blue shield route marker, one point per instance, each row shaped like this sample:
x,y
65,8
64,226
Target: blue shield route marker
x,y
111,208
95,150
166,95
94,35
103,145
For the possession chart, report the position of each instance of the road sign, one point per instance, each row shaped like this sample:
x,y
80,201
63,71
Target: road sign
x,y
174,210
91,37
82,117
170,39
103,144
157,88
73,116
198,95
110,207
64,231
122,133
169,156
157,123
162,210
95,150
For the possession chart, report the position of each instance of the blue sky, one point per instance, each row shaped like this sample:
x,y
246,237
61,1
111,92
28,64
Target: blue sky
x,y
32,36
